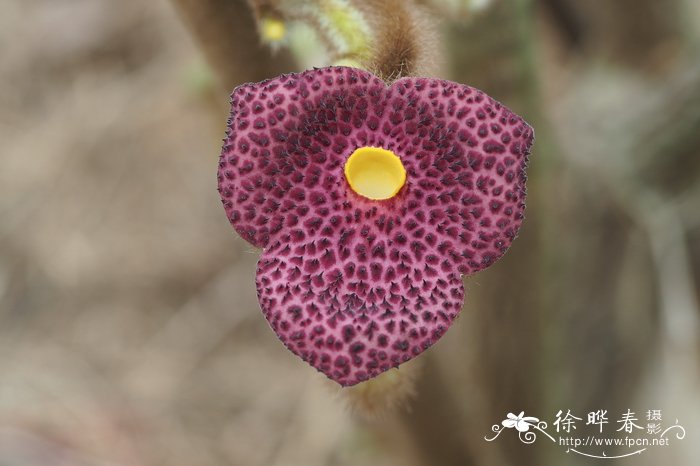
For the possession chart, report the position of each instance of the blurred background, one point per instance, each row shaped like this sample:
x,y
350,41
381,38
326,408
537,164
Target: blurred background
x,y
130,332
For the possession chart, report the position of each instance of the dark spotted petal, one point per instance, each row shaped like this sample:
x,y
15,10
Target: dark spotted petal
x,y
356,317
468,155
287,141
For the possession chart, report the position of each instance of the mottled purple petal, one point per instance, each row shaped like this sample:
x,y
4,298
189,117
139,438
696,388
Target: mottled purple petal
x,y
354,315
288,140
282,184
468,170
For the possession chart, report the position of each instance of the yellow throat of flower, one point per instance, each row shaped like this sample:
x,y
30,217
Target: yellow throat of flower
x,y
375,173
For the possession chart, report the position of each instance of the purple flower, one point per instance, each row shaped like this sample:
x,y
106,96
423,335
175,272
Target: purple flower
x,y
370,202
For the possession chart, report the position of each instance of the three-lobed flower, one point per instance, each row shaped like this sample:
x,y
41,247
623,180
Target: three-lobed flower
x,y
370,201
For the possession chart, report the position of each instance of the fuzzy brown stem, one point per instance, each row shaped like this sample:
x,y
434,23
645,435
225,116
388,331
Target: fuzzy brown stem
x,y
397,49
401,41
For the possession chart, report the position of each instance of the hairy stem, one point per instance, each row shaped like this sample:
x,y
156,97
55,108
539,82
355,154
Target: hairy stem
x,y
404,41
